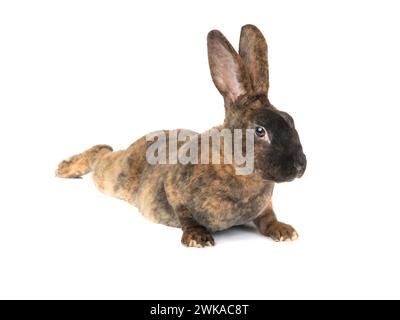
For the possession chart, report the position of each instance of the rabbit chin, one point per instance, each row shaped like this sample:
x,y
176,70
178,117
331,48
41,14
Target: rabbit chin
x,y
284,172
278,178
273,177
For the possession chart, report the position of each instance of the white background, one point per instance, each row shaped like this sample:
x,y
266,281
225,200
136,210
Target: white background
x,y
78,73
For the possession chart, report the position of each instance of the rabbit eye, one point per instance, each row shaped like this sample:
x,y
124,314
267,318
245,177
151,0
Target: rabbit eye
x,y
262,133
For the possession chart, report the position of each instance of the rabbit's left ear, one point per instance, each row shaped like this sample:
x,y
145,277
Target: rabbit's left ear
x,y
254,53
227,69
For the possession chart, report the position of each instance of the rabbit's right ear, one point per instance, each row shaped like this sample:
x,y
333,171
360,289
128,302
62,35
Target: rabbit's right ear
x,y
227,69
254,52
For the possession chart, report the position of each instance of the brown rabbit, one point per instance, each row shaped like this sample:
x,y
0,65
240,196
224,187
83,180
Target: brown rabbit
x,y
202,198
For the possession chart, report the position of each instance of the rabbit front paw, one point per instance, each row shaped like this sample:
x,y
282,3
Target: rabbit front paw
x,y
197,237
279,231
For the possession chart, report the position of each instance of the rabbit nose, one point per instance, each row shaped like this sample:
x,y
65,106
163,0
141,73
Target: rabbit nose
x,y
300,165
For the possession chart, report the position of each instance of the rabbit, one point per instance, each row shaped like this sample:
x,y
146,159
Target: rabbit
x,y
204,198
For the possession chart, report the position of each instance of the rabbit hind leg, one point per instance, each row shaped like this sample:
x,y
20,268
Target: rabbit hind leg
x,y
81,164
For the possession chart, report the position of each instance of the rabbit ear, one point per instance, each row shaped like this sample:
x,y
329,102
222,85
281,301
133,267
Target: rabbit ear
x,y
254,53
227,69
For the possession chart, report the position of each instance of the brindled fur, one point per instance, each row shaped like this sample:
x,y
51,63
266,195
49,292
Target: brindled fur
x,y
203,198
